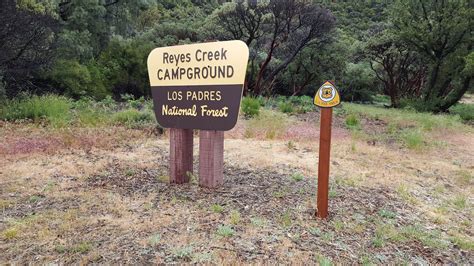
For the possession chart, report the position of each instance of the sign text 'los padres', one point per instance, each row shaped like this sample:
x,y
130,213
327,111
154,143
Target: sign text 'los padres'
x,y
198,86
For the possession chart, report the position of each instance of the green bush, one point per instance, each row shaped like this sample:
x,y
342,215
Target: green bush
x,y
286,107
78,80
89,113
292,104
359,83
91,117
250,106
465,111
133,118
51,108
125,66
132,102
352,121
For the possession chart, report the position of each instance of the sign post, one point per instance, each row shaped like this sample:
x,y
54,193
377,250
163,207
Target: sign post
x,y
198,86
326,97
181,155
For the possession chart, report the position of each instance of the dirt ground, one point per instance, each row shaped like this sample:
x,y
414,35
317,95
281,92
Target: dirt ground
x,y
102,196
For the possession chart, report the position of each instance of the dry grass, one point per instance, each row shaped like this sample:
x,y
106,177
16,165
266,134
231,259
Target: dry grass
x,y
101,195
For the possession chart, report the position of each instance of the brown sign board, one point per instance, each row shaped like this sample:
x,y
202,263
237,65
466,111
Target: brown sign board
x,y
198,86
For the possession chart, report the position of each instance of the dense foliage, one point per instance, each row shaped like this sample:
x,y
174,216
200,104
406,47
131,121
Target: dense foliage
x,y
416,52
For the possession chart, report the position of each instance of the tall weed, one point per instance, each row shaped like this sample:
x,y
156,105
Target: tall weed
x,y
50,108
269,123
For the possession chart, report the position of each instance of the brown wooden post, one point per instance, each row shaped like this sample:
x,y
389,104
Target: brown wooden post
x,y
211,158
323,165
181,155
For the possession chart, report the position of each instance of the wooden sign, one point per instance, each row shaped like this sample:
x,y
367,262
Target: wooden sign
x,y
326,97
198,86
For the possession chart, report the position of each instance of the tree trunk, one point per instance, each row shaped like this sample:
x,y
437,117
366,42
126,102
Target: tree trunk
x,y
394,99
455,95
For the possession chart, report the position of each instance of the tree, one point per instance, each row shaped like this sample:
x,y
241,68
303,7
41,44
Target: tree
x,y
125,66
400,69
26,43
276,31
441,31
314,64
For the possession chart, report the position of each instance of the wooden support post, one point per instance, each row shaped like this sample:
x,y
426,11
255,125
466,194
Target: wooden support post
x,y
323,165
211,158
181,155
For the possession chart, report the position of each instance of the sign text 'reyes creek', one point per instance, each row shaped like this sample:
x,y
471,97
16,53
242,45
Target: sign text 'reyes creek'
x,y
195,72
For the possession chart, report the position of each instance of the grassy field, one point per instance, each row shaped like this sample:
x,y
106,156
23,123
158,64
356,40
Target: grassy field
x,y
87,182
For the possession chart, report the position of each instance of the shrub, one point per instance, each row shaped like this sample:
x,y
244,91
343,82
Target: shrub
x,y
89,113
293,104
352,121
465,111
225,231
297,177
286,107
250,106
359,83
52,108
133,118
132,102
235,217
217,208
78,80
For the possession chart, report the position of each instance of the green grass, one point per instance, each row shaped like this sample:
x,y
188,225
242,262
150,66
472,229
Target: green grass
x,y
430,238
10,233
225,231
269,123
462,242
286,107
464,177
250,106
409,128
387,214
324,261
50,108
217,208
235,217
403,118
91,117
297,177
352,122
404,193
285,219
133,118
154,239
413,138
460,202
83,247
387,232
185,253
257,222
464,110
59,111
